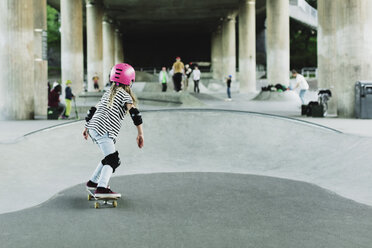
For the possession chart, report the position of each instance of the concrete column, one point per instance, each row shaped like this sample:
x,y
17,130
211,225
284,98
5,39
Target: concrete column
x,y
216,53
349,40
247,46
277,59
119,54
228,46
108,48
94,14
41,59
72,58
16,59
326,45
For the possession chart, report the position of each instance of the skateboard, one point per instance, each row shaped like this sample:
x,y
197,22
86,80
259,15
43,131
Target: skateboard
x,y
102,200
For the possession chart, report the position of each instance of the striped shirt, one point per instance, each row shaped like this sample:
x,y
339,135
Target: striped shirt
x,y
108,119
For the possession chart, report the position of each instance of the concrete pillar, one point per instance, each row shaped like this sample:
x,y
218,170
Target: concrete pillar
x,y
108,42
94,14
326,45
72,57
216,53
277,59
228,46
349,40
41,57
119,54
247,45
16,59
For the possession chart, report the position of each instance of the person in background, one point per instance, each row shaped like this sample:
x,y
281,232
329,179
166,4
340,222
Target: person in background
x,y
68,98
95,82
228,84
53,98
301,83
188,72
163,79
196,77
178,68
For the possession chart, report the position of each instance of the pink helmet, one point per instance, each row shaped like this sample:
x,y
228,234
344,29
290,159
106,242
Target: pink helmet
x,y
122,74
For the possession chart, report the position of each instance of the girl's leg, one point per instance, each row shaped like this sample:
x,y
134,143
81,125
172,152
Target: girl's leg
x,y
102,173
107,147
106,174
97,173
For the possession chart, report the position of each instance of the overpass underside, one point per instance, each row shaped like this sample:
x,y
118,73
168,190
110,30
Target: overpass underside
x,y
145,33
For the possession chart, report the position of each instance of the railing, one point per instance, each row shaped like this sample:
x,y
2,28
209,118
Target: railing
x,y
307,8
156,70
309,72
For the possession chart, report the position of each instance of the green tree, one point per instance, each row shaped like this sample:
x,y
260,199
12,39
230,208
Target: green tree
x,y
303,43
54,43
53,25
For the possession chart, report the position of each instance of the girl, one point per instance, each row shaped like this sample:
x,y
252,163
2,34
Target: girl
x,y
103,125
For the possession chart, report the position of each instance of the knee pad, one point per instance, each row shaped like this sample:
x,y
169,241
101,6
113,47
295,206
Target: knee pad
x,y
112,160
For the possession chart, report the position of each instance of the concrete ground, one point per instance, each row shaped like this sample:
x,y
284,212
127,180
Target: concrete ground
x,y
194,210
206,178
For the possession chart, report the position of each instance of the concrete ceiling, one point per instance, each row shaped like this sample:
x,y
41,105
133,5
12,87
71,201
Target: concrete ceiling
x,y
169,16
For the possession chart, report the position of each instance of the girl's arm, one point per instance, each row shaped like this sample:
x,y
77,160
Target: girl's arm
x,y
85,132
140,137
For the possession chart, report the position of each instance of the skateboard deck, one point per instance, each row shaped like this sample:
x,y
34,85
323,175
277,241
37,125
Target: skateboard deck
x,y
102,200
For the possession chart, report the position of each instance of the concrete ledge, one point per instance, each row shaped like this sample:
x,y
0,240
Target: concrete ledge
x,y
286,96
169,98
166,99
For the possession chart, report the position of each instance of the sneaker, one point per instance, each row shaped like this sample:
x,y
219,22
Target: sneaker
x,y
91,185
102,192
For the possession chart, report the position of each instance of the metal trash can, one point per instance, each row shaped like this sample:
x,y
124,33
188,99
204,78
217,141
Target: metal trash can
x,y
363,99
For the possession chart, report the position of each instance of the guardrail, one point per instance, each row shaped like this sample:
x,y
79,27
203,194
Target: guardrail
x,y
309,72
307,8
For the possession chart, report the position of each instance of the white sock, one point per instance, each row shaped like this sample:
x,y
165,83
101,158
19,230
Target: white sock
x,y
96,173
105,176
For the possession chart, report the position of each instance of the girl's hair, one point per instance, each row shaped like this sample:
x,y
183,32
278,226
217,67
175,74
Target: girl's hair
x,y
115,88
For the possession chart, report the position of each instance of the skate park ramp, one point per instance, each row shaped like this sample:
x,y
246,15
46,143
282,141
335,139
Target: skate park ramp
x,y
194,210
142,76
204,176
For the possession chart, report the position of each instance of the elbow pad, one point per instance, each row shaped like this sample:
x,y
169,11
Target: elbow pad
x,y
136,116
90,113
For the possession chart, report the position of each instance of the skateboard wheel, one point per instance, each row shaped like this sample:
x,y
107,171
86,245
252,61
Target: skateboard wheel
x,y
96,205
89,197
114,204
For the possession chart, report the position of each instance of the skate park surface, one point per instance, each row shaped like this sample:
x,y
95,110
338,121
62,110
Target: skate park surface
x,y
229,174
